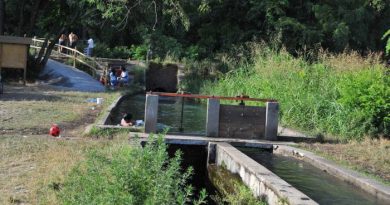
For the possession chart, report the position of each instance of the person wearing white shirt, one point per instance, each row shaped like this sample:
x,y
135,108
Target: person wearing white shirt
x,y
90,47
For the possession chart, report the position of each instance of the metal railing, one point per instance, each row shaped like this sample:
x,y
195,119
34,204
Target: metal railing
x,y
74,55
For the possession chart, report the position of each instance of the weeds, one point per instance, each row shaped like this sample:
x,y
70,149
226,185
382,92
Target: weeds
x,y
130,175
231,188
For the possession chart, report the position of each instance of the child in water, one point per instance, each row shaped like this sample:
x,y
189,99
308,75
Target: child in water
x,y
127,120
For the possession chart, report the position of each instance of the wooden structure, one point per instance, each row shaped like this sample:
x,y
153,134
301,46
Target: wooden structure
x,y
13,53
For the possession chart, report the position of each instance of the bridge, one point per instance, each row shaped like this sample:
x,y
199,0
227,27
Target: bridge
x,y
96,66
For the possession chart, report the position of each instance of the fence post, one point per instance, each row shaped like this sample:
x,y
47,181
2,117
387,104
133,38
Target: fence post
x,y
271,121
212,121
151,110
74,58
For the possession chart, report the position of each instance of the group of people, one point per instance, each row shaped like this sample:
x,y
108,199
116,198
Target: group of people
x,y
71,41
119,77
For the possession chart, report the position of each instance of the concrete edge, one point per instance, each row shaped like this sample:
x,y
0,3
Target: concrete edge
x,y
107,111
261,181
365,183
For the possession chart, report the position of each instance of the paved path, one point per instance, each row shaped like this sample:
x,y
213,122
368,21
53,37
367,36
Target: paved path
x,y
66,77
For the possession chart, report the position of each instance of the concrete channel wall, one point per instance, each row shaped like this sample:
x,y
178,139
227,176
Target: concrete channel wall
x,y
379,190
261,181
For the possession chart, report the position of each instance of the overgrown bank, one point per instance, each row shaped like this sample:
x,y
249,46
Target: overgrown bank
x,y
342,95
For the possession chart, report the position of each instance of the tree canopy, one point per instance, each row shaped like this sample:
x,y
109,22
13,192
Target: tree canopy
x,y
185,27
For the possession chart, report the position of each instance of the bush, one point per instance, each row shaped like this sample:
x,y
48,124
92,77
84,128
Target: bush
x,y
139,52
340,95
102,50
129,175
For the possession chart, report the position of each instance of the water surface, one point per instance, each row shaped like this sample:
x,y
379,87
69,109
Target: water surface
x,y
315,183
169,113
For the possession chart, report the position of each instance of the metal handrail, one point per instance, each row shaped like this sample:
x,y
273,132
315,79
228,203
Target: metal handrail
x,y
241,97
70,53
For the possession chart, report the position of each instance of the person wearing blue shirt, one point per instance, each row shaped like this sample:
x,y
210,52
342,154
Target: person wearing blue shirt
x,y
113,79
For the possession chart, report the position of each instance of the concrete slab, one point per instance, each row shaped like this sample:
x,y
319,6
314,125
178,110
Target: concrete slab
x,y
200,140
259,179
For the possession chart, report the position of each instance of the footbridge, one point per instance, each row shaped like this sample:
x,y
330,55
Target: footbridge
x,y
68,54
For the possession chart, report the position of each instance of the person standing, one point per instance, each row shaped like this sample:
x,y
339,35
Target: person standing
x,y
73,40
62,42
90,47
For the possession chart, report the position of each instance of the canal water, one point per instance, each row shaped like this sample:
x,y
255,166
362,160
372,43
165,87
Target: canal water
x,y
169,113
315,183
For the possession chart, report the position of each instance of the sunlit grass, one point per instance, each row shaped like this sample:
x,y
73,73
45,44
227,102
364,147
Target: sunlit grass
x,y
343,96
370,156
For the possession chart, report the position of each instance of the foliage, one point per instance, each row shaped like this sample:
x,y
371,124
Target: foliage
x,y
232,190
130,175
139,52
319,97
387,48
198,28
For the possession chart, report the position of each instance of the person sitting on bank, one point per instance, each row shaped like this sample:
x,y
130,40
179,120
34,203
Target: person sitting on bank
x,y
124,78
127,120
113,78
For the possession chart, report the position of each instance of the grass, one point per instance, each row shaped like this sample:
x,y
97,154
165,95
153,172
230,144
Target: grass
x,y
33,112
37,169
31,166
370,156
343,96
121,174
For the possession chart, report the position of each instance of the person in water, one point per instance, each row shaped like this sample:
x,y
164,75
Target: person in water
x,y
127,120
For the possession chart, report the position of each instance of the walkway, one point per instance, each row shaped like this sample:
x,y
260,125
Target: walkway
x,y
66,77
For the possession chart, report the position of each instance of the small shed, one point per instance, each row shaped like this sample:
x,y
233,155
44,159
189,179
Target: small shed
x,y
13,53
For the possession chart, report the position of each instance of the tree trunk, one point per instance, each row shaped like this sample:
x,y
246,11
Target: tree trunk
x,y
2,15
37,63
21,18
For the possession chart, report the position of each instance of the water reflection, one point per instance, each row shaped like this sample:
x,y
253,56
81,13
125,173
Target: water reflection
x,y
169,113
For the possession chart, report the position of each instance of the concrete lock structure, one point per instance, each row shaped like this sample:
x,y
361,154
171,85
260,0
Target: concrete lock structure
x,y
226,121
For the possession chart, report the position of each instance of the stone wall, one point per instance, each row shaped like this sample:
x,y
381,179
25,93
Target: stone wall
x,y
161,78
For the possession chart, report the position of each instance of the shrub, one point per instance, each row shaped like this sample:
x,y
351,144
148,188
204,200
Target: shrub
x,y
129,175
139,52
342,95
104,51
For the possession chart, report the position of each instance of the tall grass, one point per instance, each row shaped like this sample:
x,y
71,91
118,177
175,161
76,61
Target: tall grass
x,y
130,175
342,95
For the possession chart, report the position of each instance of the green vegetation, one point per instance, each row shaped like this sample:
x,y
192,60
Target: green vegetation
x,y
387,48
196,29
232,189
369,156
130,175
342,95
